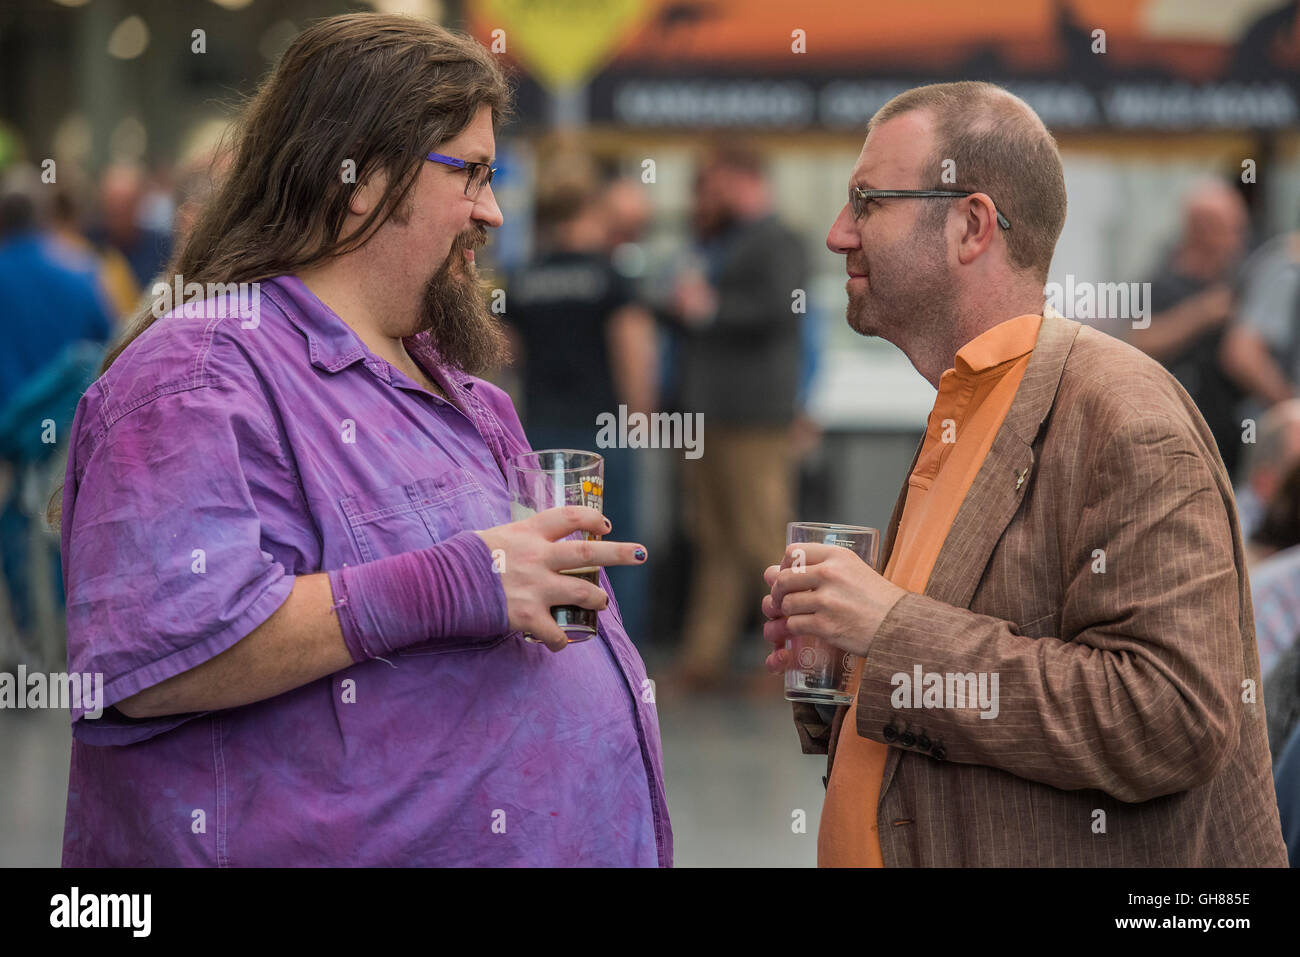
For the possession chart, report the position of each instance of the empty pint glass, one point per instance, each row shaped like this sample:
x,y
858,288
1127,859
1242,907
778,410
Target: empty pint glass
x,y
551,478
822,673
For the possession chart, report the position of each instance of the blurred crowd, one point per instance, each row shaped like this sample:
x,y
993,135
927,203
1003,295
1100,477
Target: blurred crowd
x,y
718,332
74,260
716,337
1225,321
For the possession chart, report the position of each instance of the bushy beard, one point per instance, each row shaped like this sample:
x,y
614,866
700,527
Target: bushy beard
x,y
455,314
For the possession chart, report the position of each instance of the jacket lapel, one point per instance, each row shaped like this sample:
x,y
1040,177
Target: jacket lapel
x,y
1000,484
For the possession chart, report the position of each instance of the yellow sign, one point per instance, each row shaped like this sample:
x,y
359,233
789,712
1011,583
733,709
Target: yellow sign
x,y
562,42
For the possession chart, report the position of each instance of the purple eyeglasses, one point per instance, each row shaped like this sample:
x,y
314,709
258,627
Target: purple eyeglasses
x,y
480,174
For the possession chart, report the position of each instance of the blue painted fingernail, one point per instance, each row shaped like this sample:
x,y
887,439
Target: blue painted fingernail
x,y
639,554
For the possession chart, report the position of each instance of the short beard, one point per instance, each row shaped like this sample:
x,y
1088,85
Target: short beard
x,y
454,312
909,290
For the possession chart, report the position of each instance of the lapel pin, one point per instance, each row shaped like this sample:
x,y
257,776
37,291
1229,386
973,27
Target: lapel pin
x,y
1021,481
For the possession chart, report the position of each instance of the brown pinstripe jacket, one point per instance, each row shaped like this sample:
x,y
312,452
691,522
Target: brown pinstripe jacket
x,y
1095,565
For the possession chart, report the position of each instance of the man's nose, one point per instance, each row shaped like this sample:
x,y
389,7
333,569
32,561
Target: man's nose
x,y
843,236
486,210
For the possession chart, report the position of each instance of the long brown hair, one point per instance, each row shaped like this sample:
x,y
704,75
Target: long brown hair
x,y
363,93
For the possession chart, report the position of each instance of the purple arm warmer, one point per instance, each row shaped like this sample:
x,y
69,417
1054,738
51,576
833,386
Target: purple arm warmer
x,y
448,590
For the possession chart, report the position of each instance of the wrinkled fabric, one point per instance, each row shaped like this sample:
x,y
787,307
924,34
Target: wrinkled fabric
x,y
218,459
391,603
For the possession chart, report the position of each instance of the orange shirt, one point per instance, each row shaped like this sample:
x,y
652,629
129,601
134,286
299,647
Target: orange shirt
x,y
973,399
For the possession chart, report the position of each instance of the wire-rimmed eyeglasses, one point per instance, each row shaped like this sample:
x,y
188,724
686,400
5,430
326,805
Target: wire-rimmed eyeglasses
x,y
858,198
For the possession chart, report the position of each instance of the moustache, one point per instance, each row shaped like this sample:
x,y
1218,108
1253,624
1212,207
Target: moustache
x,y
472,238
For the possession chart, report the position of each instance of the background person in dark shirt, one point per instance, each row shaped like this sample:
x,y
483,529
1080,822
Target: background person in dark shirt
x,y
587,347
1191,305
740,367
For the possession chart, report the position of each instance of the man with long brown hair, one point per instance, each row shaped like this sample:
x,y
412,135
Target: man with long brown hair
x,y
285,522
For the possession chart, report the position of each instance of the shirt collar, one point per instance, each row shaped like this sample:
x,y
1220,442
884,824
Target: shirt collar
x,y
1002,343
333,345
421,347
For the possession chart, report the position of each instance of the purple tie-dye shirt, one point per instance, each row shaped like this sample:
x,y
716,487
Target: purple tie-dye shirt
x,y
216,460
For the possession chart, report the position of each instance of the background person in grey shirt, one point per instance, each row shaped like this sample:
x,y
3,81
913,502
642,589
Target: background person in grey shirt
x,y
1262,347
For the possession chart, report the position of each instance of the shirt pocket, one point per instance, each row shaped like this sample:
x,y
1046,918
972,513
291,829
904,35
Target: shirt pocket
x,y
424,512
403,518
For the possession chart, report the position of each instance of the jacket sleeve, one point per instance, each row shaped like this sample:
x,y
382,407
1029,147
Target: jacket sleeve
x,y
1139,693
814,731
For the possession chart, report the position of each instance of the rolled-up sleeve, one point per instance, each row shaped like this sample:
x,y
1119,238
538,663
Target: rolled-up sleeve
x,y
165,556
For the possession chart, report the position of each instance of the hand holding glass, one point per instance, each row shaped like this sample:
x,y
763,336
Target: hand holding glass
x,y
821,673
551,478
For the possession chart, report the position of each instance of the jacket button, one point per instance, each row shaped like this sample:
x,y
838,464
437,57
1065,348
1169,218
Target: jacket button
x,y
890,733
939,752
908,739
924,742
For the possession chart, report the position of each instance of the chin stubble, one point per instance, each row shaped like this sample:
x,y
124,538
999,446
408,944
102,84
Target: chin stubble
x,y
906,292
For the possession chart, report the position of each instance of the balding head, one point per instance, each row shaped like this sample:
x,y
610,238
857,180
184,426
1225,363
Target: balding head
x,y
997,145
1214,227
121,189
627,209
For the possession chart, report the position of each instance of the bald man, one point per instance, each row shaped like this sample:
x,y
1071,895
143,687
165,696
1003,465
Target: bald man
x,y
1191,304
122,191
1055,662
